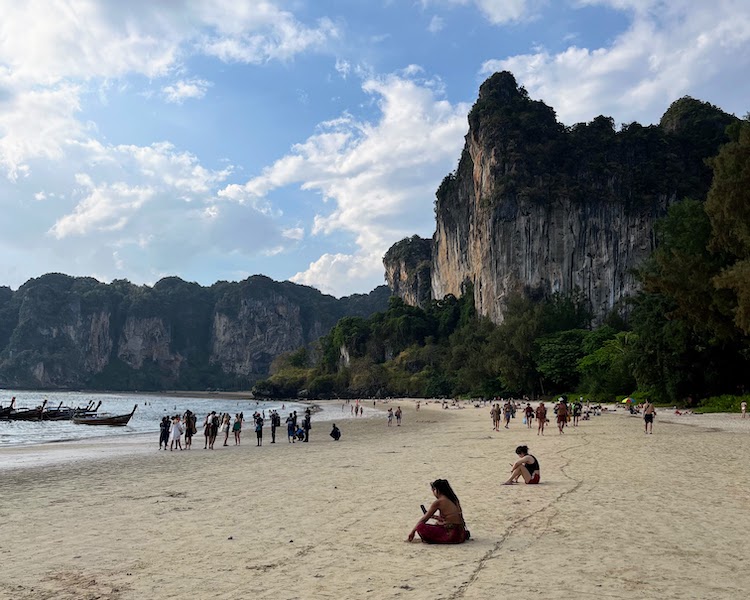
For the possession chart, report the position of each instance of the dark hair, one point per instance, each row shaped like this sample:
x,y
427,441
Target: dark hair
x,y
444,488
522,449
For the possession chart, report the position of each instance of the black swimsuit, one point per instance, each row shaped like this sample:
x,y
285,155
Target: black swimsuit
x,y
533,466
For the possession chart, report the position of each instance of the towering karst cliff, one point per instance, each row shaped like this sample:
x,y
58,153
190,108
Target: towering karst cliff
x,y
58,331
539,207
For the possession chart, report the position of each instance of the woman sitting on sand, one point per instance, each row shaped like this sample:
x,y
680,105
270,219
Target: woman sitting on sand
x,y
450,527
526,466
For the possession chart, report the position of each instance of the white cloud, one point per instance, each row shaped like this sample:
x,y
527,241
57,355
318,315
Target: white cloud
x,y
496,12
337,274
378,177
293,233
436,25
343,67
177,92
52,51
670,49
106,207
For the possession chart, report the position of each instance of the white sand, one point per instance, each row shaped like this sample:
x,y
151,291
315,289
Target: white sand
x,y
620,514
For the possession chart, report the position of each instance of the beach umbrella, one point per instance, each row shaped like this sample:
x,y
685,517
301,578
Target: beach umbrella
x,y
628,400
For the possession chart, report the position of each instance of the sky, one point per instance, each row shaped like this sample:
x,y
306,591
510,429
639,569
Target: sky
x,y
299,139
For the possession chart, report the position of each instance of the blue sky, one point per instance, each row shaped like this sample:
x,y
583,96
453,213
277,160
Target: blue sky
x,y
213,140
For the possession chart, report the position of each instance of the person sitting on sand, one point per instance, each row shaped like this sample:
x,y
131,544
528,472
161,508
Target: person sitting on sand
x,y
526,466
446,510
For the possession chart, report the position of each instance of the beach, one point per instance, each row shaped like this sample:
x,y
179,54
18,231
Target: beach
x,y
619,514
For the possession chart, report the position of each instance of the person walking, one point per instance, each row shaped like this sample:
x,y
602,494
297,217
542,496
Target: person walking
x,y
398,416
529,414
648,417
562,415
541,418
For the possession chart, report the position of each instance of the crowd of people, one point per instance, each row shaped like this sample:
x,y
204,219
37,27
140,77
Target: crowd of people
x,y
565,413
172,430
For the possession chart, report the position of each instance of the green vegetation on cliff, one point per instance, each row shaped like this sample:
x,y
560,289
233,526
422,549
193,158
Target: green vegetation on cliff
x,y
541,160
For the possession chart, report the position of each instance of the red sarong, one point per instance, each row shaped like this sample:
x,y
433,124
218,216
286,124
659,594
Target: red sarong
x,y
439,534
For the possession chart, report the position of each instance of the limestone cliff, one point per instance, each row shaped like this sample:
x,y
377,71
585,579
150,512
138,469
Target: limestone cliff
x,y
537,206
407,270
58,331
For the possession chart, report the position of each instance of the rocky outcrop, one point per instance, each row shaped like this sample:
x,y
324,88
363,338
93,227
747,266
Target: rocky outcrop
x,y
538,207
407,270
64,332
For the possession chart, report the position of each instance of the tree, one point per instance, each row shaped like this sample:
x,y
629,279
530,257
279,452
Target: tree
x,y
728,208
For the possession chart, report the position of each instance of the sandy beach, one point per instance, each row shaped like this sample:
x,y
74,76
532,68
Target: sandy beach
x,y
619,514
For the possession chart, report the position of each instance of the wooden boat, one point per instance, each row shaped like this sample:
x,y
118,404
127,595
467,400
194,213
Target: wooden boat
x,y
66,413
104,419
4,412
28,414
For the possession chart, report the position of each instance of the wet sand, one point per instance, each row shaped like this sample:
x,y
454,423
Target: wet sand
x,y
619,514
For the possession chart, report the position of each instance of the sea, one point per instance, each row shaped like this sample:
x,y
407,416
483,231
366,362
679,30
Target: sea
x,y
151,408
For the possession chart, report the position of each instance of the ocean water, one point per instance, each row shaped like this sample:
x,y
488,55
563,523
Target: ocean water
x,y
151,408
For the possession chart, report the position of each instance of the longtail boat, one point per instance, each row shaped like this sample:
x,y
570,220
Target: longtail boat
x,y
28,414
66,413
4,412
104,419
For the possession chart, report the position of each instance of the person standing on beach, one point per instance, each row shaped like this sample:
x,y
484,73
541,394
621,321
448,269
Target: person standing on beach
x,y
189,423
529,414
398,416
259,428
164,432
577,410
237,429
207,429
175,434
307,425
390,416
541,418
648,417
225,427
290,429
214,430
743,408
275,422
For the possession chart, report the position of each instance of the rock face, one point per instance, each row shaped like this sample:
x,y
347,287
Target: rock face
x,y
407,270
540,208
64,332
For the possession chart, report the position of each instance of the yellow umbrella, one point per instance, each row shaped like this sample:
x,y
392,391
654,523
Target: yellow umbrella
x,y
628,400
